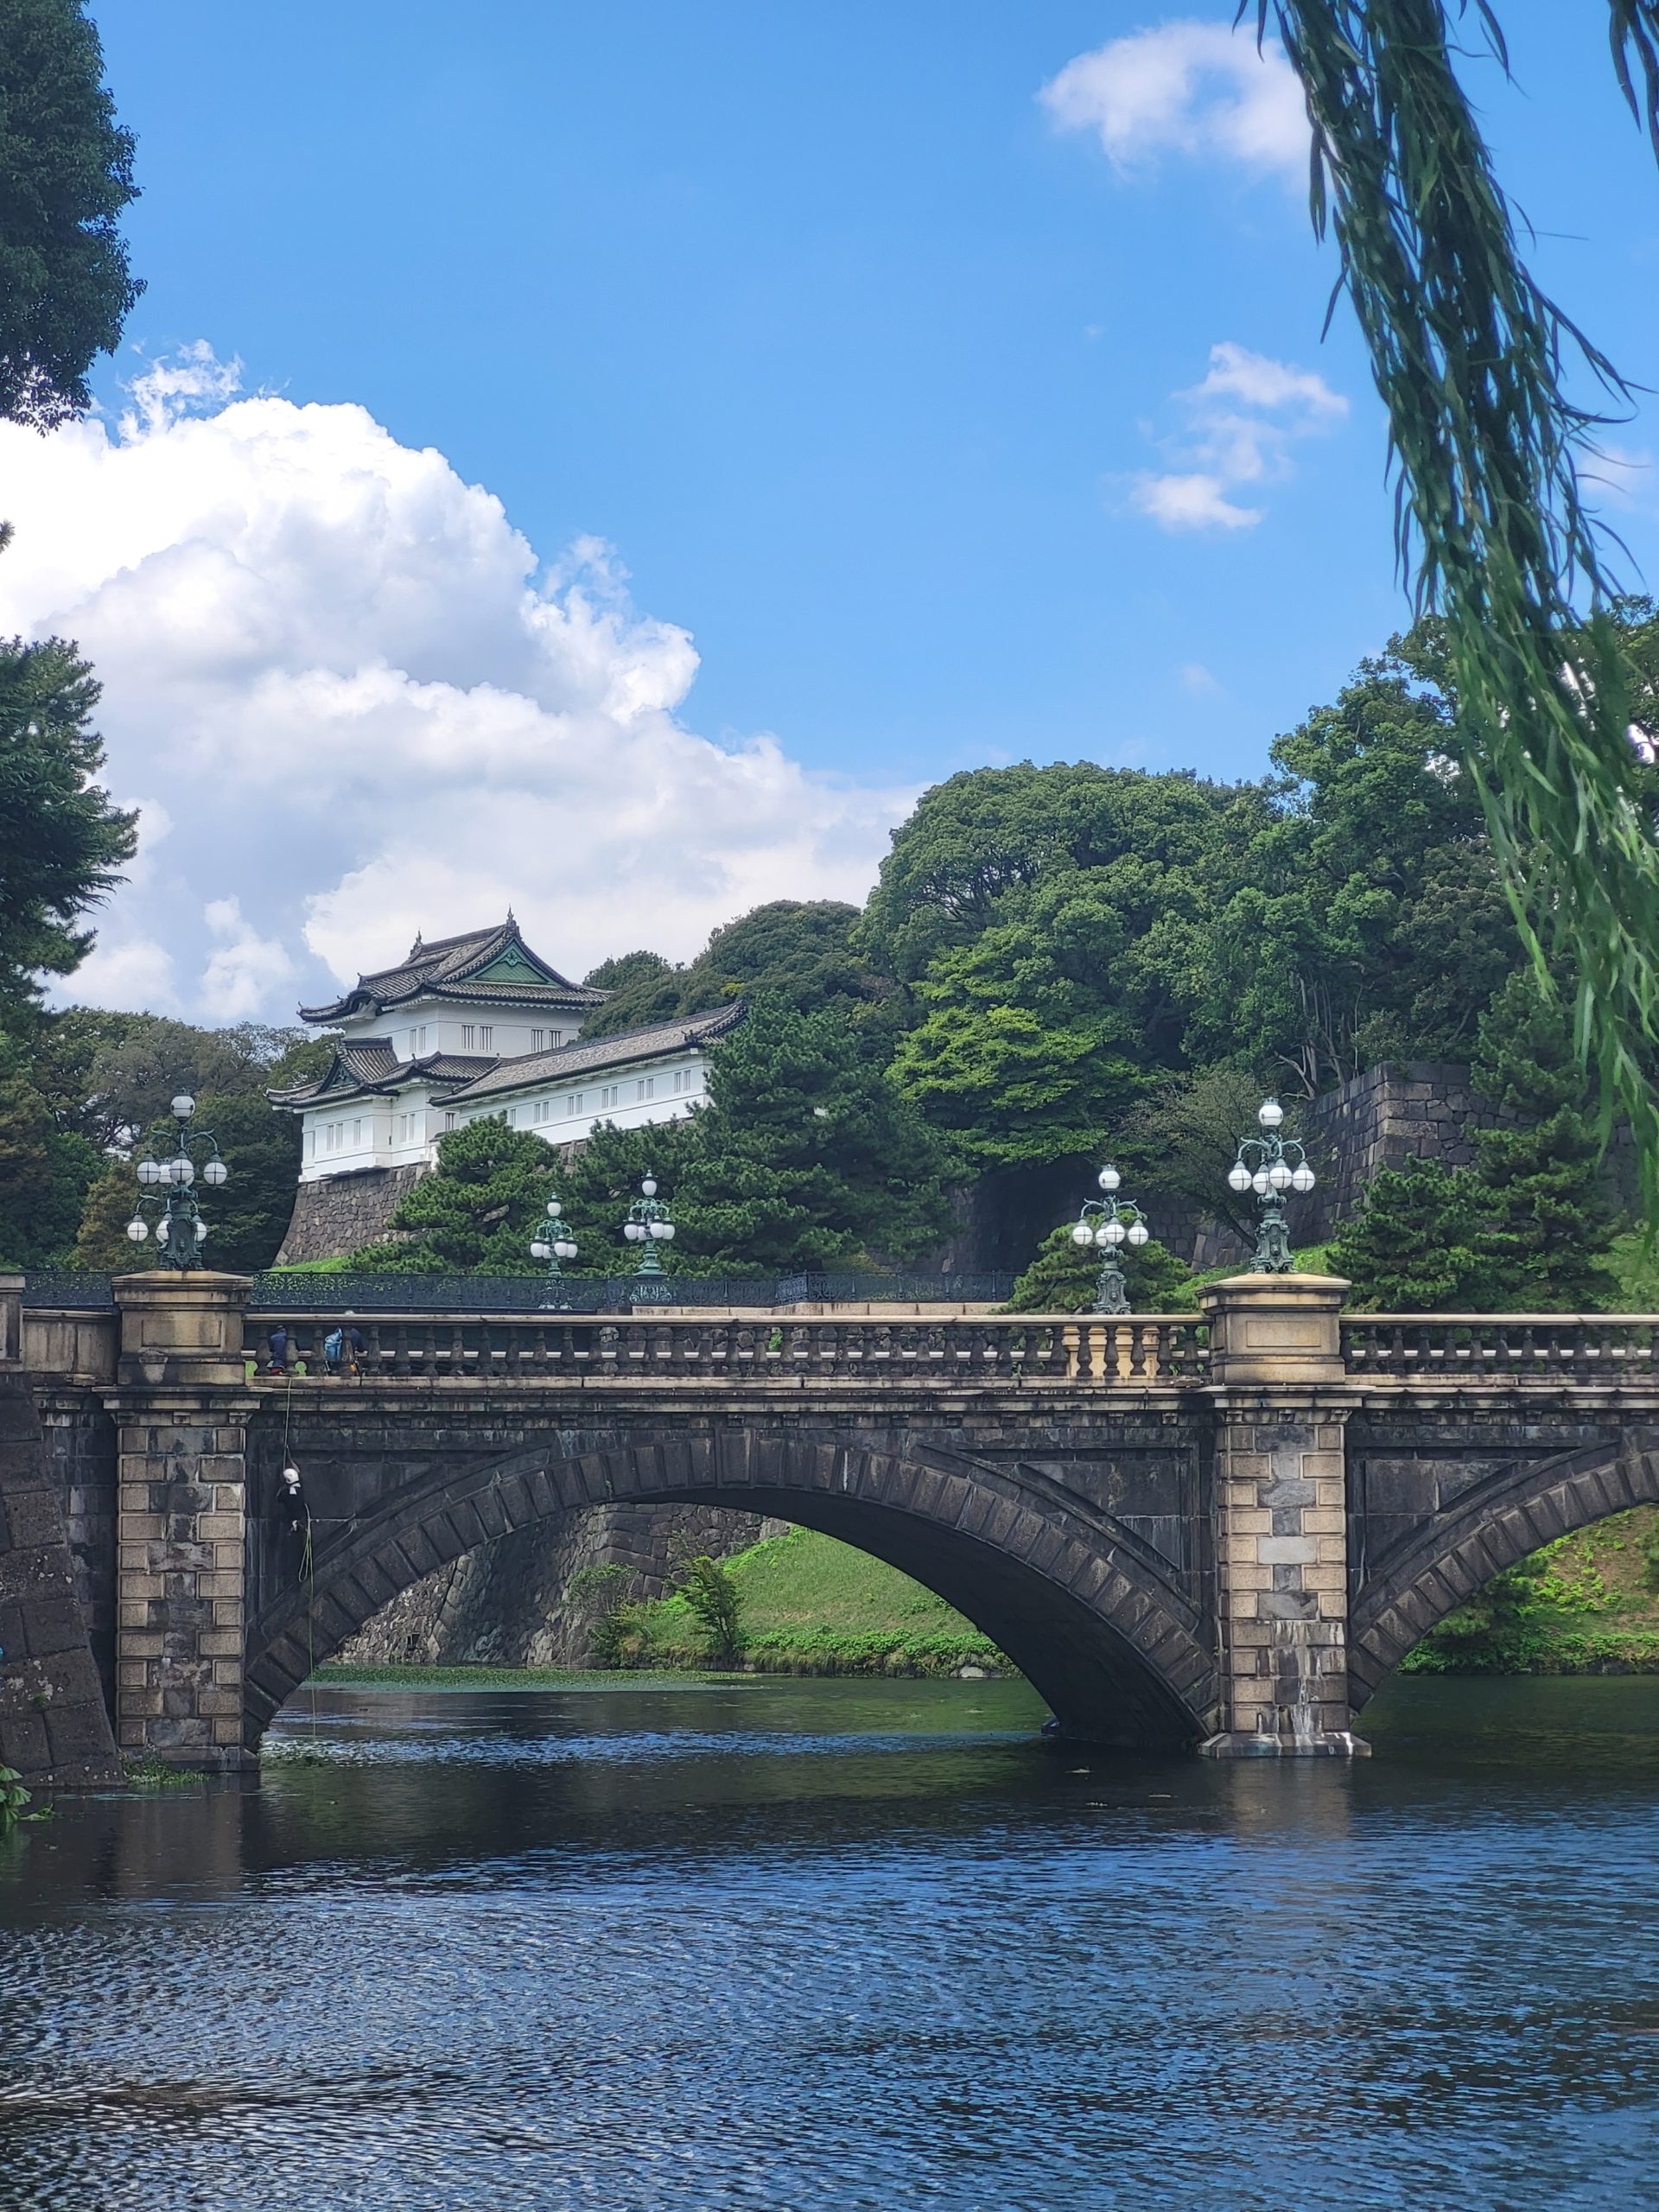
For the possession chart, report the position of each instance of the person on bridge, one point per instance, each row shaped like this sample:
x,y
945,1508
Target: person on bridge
x,y
278,1342
342,1350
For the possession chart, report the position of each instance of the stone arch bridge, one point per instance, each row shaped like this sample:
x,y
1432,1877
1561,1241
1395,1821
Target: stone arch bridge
x,y
1220,1531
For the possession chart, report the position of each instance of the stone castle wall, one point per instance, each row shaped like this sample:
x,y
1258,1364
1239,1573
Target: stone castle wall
x,y
338,1214
504,1603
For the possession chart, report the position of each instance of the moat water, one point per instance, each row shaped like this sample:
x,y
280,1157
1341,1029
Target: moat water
x,y
814,1947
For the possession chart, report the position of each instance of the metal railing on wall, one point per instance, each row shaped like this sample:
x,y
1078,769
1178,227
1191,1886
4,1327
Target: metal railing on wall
x,y
293,1292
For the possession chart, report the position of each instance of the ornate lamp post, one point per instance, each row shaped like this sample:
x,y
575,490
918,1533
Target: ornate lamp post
x,y
649,1225
1109,1225
170,1177
553,1242
1265,1166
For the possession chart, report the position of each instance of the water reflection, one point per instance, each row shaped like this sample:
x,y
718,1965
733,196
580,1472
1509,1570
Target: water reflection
x,y
836,1945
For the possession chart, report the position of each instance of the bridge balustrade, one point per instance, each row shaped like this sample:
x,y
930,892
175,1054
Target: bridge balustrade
x,y
1606,1348
1018,1348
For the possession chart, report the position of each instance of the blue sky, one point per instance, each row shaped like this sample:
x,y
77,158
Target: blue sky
x,y
865,367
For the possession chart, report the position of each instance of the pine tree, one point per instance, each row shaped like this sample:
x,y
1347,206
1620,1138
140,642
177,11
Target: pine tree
x,y
1417,1243
477,1212
1548,1219
1063,1277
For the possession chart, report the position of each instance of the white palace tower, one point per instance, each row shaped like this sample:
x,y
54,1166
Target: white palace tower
x,y
477,1025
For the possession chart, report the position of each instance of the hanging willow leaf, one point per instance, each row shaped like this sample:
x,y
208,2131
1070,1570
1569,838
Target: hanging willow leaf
x,y
1635,31
1469,356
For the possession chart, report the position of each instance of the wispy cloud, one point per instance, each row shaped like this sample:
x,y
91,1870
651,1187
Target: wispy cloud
x,y
1196,89
1241,422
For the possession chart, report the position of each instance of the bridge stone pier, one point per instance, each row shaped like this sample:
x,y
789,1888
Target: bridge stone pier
x,y
1220,1531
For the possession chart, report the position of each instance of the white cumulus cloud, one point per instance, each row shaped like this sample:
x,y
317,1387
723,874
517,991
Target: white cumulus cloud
x,y
1196,89
362,707
1242,421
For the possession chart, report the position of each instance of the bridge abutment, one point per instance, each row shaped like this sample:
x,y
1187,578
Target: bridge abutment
x,y
1280,1519
182,1409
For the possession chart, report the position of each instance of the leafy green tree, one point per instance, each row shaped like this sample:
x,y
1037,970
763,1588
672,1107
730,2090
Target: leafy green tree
x,y
1550,1223
1472,362
247,1215
1180,1143
716,1604
45,1172
110,1077
475,1213
65,174
807,1157
1075,992
61,840
101,1244
1064,1276
800,950
1367,922
1418,1243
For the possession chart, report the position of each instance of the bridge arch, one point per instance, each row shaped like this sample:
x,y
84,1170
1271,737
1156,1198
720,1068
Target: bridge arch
x,y
1490,1527
1083,1607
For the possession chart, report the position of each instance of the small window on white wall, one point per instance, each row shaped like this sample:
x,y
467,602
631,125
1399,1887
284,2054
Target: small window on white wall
x,y
537,1039
576,1103
487,1038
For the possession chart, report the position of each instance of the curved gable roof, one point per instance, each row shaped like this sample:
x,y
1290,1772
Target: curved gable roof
x,y
482,964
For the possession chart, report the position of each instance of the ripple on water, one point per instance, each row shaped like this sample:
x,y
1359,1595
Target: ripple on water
x,y
842,1946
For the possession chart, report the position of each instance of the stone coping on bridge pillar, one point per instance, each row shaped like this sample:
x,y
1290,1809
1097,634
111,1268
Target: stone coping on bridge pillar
x,y
182,1330
1276,1330
11,1318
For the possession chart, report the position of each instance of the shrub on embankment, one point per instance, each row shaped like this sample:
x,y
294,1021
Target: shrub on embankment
x,y
1586,1604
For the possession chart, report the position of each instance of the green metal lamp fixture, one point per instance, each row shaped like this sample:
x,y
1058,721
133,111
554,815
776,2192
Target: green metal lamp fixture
x,y
649,1225
1272,1167
553,1242
1109,1223
169,1178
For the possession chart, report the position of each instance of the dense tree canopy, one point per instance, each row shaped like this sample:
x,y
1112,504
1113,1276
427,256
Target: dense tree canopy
x,y
800,950
807,1158
65,174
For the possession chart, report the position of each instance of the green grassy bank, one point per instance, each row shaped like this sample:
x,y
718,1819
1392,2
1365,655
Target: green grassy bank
x,y
1588,1604
810,1605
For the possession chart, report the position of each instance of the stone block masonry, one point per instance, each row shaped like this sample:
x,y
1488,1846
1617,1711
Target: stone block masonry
x,y
1281,1521
54,1727
181,1414
505,1604
337,1215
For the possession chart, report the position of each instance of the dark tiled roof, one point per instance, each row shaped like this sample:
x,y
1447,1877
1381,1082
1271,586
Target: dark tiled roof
x,y
442,970
358,1070
580,1058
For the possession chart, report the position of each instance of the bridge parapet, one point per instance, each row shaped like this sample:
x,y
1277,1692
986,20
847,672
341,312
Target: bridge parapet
x,y
1504,1349
758,1348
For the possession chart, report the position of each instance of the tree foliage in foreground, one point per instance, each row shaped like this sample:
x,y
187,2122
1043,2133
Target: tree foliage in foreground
x,y
1469,356
62,841
66,176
